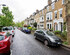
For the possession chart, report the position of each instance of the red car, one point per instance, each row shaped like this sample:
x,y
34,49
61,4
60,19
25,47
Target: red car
x,y
5,42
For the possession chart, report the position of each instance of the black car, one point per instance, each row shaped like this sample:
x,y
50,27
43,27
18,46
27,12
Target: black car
x,y
47,37
25,30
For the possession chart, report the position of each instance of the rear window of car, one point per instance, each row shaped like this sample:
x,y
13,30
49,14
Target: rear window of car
x,y
5,29
50,33
10,28
2,37
24,28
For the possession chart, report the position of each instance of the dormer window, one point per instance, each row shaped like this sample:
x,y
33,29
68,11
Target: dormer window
x,y
63,1
52,5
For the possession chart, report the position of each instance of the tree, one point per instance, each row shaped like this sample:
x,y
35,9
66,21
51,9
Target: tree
x,y
22,23
35,25
7,17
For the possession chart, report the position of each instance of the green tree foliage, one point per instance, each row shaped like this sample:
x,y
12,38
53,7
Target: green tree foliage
x,y
18,24
35,24
7,18
22,23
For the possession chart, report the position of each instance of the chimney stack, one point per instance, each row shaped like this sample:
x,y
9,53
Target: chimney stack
x,y
49,2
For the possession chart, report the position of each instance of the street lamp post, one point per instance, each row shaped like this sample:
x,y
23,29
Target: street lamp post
x,y
0,7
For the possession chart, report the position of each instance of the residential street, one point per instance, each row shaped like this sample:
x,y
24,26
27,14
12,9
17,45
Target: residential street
x,y
26,44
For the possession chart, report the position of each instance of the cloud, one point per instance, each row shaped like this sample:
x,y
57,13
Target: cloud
x,y
23,8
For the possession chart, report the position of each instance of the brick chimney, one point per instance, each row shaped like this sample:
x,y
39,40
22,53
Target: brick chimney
x,y
49,2
37,11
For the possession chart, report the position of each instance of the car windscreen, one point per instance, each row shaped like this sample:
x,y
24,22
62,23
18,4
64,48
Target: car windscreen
x,y
1,37
50,33
5,29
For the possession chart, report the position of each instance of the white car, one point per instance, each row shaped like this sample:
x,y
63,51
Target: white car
x,y
11,30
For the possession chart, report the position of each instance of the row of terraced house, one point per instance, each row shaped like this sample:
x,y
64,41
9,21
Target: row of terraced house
x,y
51,16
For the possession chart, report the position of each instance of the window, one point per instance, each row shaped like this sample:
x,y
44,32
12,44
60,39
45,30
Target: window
x,y
47,26
42,18
5,29
50,15
48,18
50,26
52,5
55,14
60,13
41,32
63,1
1,37
41,25
48,8
50,33
56,26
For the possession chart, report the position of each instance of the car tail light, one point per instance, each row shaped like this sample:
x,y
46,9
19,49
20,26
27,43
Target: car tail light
x,y
12,31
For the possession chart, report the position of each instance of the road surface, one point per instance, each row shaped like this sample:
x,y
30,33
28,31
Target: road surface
x,y
26,44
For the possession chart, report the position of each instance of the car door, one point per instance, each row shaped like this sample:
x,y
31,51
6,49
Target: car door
x,y
37,34
41,35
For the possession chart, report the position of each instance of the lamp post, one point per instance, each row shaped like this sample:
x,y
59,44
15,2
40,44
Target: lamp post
x,y
0,7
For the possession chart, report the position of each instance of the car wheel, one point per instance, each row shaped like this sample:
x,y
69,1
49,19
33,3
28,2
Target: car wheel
x,y
46,42
12,35
35,37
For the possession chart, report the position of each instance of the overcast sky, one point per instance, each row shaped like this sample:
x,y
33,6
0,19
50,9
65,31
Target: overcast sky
x,y
23,8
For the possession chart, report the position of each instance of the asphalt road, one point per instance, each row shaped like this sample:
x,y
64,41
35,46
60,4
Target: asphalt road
x,y
25,44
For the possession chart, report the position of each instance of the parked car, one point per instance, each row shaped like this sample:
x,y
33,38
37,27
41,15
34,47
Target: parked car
x,y
47,37
5,42
25,30
11,30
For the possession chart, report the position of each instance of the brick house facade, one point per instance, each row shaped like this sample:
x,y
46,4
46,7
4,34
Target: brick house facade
x,y
51,16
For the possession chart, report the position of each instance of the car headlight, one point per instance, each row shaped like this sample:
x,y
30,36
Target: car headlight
x,y
52,40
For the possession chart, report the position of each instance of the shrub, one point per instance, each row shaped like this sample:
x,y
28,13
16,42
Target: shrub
x,y
57,32
64,34
30,28
66,43
34,29
35,24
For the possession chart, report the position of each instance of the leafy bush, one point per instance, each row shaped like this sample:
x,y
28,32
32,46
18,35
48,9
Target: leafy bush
x,y
64,34
66,43
30,28
57,32
35,24
34,29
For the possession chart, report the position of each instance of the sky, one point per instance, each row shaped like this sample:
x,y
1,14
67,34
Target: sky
x,y
21,9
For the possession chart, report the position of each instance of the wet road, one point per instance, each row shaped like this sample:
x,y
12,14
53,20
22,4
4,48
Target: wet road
x,y
25,44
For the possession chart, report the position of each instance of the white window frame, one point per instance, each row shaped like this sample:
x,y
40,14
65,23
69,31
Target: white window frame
x,y
51,16
54,13
41,20
63,1
59,12
49,25
53,5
